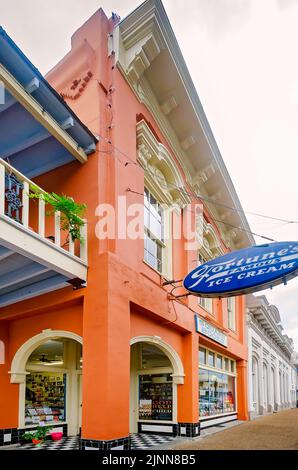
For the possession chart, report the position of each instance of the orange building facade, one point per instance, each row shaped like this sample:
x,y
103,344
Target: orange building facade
x,y
126,351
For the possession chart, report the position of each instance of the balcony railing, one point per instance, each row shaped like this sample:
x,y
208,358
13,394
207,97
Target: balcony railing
x,y
33,215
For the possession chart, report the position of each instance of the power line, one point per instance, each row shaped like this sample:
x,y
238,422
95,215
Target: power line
x,y
183,191
199,196
216,220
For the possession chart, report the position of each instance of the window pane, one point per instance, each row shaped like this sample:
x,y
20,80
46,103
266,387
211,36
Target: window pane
x,y
229,394
155,397
202,356
216,393
211,359
45,397
227,364
232,366
203,392
146,217
155,227
231,313
219,362
146,198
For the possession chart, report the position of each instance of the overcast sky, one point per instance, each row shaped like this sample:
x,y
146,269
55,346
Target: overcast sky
x,y
242,55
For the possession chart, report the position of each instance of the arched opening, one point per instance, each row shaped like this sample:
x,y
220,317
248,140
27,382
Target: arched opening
x,y
255,385
280,389
48,368
156,370
265,388
273,389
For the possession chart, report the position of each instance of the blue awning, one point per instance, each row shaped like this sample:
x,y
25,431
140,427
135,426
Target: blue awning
x,y
24,142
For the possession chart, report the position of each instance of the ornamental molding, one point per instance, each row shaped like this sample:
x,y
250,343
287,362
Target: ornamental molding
x,y
178,369
210,246
161,172
262,341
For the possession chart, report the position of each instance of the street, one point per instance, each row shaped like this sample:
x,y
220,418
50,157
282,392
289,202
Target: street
x,y
277,431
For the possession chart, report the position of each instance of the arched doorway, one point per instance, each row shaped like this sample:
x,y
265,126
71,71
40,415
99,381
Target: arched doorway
x,y
48,368
156,370
255,385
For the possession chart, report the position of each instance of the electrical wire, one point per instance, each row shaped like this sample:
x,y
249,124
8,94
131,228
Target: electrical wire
x,y
200,196
216,220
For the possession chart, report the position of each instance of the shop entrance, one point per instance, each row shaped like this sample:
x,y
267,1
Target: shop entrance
x,y
153,394
52,388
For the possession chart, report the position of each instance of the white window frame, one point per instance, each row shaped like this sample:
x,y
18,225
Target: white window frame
x,y
204,302
221,371
165,243
231,307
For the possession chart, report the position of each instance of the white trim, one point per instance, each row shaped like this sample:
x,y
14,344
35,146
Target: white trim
x,y
138,40
217,420
17,238
18,375
156,428
178,370
177,376
18,366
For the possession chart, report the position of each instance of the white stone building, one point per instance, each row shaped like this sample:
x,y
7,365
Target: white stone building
x,y
271,372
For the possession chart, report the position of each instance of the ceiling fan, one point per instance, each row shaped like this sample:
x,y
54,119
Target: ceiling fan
x,y
44,360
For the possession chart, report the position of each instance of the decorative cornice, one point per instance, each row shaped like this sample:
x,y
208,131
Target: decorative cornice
x,y
140,38
161,171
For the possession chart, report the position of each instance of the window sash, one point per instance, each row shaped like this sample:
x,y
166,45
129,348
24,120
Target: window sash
x,y
231,313
153,231
204,302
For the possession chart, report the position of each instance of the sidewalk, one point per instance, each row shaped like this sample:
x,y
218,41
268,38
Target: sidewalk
x,y
277,431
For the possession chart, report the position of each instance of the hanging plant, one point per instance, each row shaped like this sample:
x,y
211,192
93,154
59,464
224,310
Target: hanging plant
x,y
71,212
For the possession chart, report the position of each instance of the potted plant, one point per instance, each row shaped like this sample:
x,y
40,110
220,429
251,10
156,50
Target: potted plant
x,y
71,212
38,435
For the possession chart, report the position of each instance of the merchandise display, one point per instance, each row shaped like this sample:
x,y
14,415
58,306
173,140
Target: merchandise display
x,y
216,393
155,397
45,397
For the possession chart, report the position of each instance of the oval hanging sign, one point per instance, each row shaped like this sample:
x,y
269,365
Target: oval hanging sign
x,y
245,271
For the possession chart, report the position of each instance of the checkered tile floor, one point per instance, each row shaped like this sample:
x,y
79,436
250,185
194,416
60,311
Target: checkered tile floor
x,y
66,443
147,441
138,442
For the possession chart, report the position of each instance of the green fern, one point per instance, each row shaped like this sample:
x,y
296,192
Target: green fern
x,y
71,212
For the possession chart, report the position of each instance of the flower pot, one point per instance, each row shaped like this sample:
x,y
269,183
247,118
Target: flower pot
x,y
57,436
37,442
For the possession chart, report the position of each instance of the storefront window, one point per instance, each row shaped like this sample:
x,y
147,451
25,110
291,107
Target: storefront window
x,y
156,397
216,393
45,397
229,393
202,356
211,359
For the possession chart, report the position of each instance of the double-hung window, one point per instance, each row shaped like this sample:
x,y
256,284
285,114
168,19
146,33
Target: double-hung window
x,y
232,313
153,231
207,304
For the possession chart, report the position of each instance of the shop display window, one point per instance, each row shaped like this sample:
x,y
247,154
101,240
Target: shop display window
x,y
45,398
156,397
216,393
